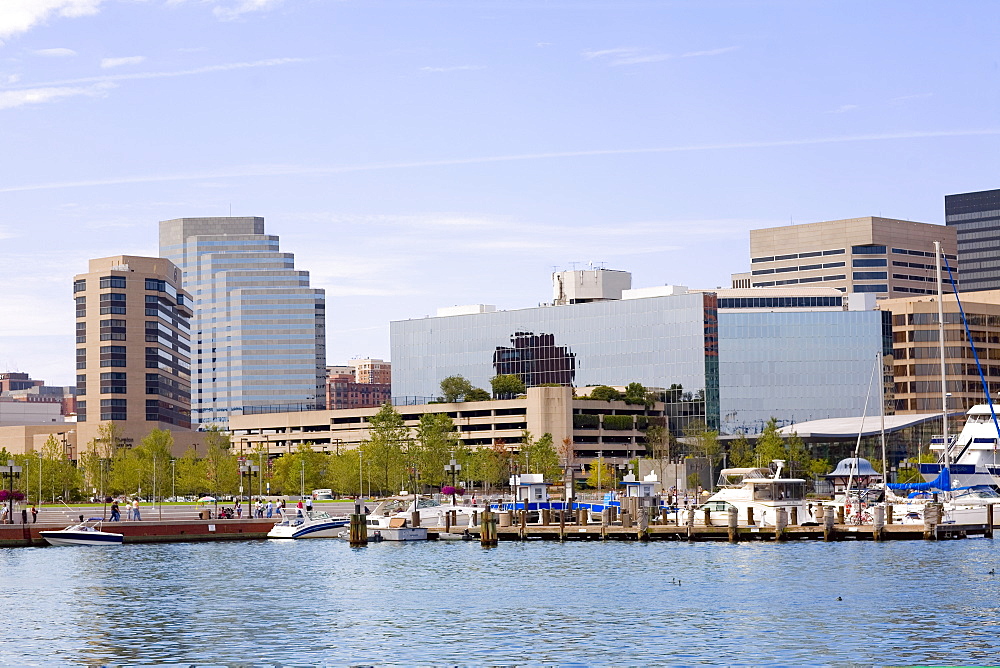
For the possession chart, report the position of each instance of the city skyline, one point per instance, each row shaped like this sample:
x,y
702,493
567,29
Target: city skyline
x,y
414,156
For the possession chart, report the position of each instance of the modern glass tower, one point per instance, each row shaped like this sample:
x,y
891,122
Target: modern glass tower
x,y
976,220
258,331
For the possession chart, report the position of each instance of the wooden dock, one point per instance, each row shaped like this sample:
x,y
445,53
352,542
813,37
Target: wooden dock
x,y
172,531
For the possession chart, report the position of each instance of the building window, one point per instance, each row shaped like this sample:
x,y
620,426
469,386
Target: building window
x,y
81,411
113,302
872,288
81,358
112,355
81,307
868,250
80,285
112,330
113,383
869,262
870,276
81,384
81,332
112,282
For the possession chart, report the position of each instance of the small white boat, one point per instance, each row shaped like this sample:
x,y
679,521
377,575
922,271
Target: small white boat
x,y
308,524
87,532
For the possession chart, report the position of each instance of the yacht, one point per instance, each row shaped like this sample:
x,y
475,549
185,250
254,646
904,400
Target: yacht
x,y
308,524
87,532
758,489
974,453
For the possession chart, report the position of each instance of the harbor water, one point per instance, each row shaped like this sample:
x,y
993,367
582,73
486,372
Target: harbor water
x,y
322,602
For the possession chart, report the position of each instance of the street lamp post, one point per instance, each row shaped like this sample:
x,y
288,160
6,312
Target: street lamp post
x,y
453,467
173,479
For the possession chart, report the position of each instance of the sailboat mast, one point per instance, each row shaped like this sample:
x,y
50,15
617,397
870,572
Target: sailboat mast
x,y
944,395
881,413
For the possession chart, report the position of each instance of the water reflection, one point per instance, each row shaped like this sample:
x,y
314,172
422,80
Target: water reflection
x,y
322,601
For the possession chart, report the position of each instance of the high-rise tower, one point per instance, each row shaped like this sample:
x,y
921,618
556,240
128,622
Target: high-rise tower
x,y
258,331
976,219
132,348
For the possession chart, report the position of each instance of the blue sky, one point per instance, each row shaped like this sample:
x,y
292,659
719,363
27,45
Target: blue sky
x,y
423,154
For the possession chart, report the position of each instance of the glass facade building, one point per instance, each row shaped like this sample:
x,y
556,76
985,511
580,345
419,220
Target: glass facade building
x,y
658,341
737,368
258,330
798,365
976,220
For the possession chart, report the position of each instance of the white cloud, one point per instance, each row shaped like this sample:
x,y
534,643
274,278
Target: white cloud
x,y
107,63
455,68
710,52
225,67
10,99
246,171
630,55
843,109
234,10
13,79
17,16
54,53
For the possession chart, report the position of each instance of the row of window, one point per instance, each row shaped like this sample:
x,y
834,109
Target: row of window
x,y
778,302
795,281
805,267
795,256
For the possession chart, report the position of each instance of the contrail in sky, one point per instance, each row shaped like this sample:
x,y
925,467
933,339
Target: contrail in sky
x,y
249,171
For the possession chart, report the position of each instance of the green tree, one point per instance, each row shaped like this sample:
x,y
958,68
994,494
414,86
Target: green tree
x,y
221,469
601,475
191,475
59,476
799,457
385,450
455,388
155,451
636,393
507,386
539,456
301,472
704,443
477,394
605,393
770,445
491,465
432,449
740,452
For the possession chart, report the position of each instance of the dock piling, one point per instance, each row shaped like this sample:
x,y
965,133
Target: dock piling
x,y
358,531
878,522
828,531
988,533
732,523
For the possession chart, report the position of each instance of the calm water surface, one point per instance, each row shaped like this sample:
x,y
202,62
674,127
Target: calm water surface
x,y
322,602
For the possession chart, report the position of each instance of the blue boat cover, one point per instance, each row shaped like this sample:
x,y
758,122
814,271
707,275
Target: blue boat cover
x,y
942,482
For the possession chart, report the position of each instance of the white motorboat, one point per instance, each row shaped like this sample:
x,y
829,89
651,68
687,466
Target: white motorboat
x,y
308,524
87,532
392,516
759,490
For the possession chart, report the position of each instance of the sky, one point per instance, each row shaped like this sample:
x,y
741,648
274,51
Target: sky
x,y
419,154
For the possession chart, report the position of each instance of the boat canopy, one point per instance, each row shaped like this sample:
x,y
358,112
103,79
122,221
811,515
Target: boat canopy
x,y
941,483
857,466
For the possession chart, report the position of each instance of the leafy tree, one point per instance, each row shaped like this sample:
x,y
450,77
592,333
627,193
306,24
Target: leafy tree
x,y
539,456
740,452
705,443
191,472
769,445
507,386
455,388
59,476
221,470
636,393
491,465
601,475
384,450
799,458
477,394
605,393
302,471
433,447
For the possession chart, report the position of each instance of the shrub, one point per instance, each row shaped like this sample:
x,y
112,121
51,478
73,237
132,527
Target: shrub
x,y
618,422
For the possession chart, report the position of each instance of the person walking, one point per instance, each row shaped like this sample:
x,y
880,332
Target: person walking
x,y
34,514
309,504
128,510
239,510
270,508
135,510
116,513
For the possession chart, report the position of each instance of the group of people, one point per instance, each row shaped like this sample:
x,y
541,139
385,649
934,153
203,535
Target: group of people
x,y
258,508
7,518
132,513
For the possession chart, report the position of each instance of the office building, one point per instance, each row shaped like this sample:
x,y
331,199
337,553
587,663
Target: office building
x,y
372,371
739,357
883,256
133,350
917,355
258,329
975,217
345,390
